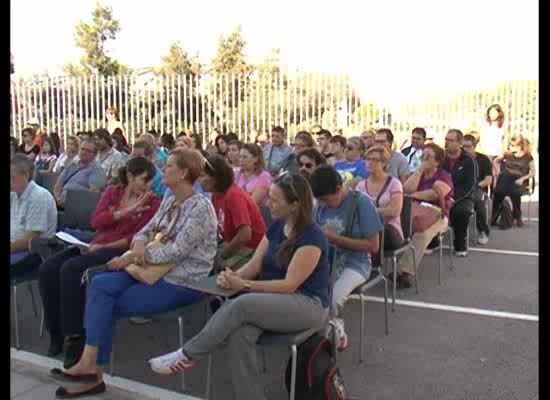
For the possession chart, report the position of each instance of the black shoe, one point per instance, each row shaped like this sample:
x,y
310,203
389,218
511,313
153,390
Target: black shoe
x,y
56,346
73,351
62,393
404,281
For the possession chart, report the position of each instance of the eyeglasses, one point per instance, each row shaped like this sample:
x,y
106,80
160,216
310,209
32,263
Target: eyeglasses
x,y
373,159
88,150
380,141
287,179
306,165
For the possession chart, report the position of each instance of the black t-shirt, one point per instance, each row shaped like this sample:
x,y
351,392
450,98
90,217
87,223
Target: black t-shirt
x,y
485,167
34,149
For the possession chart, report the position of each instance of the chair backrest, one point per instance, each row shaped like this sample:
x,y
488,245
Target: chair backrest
x,y
47,180
266,215
407,217
79,206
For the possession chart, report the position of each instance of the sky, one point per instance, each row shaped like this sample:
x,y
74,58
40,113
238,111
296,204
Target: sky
x,y
392,48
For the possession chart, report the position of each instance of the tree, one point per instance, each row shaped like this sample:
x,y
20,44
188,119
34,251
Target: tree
x,y
93,37
176,62
230,57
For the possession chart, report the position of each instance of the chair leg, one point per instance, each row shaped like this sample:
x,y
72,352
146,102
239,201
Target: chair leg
x,y
16,317
394,266
33,300
180,331
475,230
361,330
112,366
386,304
293,375
529,210
42,323
440,258
415,269
209,376
264,362
451,241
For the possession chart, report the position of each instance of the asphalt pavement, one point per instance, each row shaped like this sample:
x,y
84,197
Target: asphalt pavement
x,y
473,337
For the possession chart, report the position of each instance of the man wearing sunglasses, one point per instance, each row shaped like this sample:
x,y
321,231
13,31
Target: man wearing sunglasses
x,y
353,168
308,160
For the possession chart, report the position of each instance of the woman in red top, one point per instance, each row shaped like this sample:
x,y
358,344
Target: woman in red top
x,y
121,212
240,223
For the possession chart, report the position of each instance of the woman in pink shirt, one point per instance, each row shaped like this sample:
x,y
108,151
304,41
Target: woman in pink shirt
x,y
252,176
386,192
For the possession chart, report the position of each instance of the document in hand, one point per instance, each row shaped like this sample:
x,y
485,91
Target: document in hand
x,y
71,239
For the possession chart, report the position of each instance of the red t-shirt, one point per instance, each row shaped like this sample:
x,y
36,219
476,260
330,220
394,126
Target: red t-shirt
x,y
235,208
107,229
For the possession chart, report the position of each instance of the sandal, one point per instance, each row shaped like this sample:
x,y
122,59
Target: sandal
x,y
62,393
62,376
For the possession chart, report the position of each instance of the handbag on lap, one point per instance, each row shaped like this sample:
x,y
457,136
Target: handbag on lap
x,y
425,214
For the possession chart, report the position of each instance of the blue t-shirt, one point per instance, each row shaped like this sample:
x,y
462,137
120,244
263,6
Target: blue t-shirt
x,y
316,285
350,170
157,186
367,223
197,187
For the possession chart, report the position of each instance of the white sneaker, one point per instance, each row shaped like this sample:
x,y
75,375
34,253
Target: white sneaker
x,y
140,320
170,363
482,238
461,253
341,336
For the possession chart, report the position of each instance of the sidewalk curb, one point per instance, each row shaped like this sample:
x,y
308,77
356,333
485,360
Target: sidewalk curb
x,y
133,387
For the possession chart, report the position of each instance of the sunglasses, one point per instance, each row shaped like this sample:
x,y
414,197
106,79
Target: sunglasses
x,y
306,165
286,179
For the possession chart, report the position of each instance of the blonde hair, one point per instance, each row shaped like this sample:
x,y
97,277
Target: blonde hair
x,y
382,151
113,110
191,160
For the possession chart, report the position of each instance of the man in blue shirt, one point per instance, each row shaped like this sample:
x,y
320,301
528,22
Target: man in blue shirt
x,y
353,169
334,211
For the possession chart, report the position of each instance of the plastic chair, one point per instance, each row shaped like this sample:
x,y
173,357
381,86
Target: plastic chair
x,y
406,226
79,207
47,180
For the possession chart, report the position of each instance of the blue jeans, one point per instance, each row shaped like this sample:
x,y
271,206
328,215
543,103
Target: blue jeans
x,y
116,295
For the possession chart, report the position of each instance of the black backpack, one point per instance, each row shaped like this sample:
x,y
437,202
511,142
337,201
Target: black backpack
x,y
505,219
317,376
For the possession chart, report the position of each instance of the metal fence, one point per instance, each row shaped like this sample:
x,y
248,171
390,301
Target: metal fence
x,y
258,101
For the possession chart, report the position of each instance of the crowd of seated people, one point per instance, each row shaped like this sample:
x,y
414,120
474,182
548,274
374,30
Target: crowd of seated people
x,y
329,203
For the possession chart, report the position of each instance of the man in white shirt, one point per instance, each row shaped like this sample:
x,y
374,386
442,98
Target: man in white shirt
x,y
33,212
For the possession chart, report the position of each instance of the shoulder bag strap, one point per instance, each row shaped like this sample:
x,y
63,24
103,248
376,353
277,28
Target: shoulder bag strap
x,y
384,188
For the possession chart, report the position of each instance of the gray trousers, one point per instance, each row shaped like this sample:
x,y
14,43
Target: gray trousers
x,y
239,323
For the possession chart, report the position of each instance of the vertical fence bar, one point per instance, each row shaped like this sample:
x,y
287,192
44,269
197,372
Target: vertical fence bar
x,y
23,99
536,101
165,89
41,104
14,113
192,104
319,94
136,90
29,101
204,118
233,111
185,103
64,108
18,102
130,134
263,104
172,94
295,100
239,106
47,104
69,115
276,99
245,106
35,104
161,103
155,104
80,105
258,96
308,92
179,105
288,100
197,99
58,104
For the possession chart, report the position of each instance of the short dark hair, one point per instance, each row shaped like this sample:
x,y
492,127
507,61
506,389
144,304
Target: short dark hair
x,y
278,129
255,151
231,136
53,148
419,131
153,132
104,134
339,139
325,133
32,131
388,133
458,133
198,141
325,180
137,166
218,168
167,140
314,154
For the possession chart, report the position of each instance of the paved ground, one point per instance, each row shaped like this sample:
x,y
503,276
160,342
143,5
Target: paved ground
x,y
429,353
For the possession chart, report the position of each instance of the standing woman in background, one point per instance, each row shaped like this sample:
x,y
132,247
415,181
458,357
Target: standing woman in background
x,y
492,134
113,121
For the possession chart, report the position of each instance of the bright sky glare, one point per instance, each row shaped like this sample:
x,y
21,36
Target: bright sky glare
x,y
395,48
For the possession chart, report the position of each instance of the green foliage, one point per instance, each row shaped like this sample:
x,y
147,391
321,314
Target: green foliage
x,y
176,62
230,56
92,39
